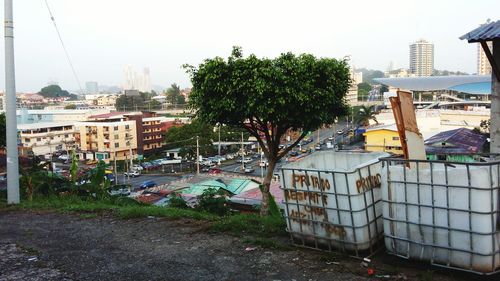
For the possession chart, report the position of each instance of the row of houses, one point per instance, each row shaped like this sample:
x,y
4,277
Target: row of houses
x,y
108,136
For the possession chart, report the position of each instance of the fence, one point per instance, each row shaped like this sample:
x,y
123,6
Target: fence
x,y
332,201
446,213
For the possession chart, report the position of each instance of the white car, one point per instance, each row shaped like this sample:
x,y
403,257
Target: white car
x,y
249,169
132,173
63,157
137,167
263,163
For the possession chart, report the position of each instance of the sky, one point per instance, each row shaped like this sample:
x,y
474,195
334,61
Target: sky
x,y
104,36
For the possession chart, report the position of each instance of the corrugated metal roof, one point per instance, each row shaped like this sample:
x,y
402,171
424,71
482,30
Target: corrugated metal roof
x,y
486,32
458,141
437,83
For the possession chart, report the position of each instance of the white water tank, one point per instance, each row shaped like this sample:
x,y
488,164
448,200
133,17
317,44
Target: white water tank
x,y
332,200
447,215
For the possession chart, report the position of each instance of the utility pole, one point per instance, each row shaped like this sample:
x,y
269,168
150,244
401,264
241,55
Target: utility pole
x,y
219,139
197,155
10,110
242,154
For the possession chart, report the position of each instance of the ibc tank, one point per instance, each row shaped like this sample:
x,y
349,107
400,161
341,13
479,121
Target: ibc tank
x,y
444,213
332,200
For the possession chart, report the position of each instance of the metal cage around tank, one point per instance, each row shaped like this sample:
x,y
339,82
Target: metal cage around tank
x,y
444,213
335,209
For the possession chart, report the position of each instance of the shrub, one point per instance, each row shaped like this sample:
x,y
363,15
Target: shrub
x,y
213,201
176,201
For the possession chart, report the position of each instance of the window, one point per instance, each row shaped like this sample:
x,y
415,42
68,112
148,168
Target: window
x,y
127,127
127,135
66,135
117,137
117,145
38,139
27,140
395,138
115,128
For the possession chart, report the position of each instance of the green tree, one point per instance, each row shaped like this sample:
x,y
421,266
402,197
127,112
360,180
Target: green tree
x,y
125,103
363,90
70,106
268,97
174,96
3,130
54,91
383,89
185,138
365,114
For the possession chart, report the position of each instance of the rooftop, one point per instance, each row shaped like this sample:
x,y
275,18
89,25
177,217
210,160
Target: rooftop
x,y
486,32
44,125
472,84
458,141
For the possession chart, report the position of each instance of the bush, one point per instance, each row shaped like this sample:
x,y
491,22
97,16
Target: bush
x,y
176,201
213,201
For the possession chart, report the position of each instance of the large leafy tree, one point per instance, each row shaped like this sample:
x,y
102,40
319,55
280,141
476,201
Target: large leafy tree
x,y
268,97
174,95
54,91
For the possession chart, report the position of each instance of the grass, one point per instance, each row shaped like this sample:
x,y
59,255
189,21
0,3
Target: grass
x,y
251,224
267,243
240,225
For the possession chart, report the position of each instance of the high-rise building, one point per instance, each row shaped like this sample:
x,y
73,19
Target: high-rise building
x,y
483,65
422,58
136,81
91,87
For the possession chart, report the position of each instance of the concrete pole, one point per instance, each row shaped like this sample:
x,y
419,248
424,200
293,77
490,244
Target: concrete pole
x,y
10,110
197,155
495,103
219,140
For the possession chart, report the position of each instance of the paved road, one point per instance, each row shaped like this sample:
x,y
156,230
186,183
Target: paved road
x,y
135,182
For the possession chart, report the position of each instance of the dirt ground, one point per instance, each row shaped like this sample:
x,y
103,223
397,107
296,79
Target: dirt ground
x,y
53,246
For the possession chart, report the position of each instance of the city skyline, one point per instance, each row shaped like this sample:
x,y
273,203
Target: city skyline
x,y
142,35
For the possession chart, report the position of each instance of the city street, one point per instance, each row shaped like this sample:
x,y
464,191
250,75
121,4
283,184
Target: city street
x,y
135,182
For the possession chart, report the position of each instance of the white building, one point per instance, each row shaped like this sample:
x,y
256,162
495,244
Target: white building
x,y
422,58
483,65
136,81
46,138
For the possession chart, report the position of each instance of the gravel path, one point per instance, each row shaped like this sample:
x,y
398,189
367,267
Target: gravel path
x,y
69,247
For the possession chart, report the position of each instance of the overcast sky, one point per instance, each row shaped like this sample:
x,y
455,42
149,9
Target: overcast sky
x,y
103,36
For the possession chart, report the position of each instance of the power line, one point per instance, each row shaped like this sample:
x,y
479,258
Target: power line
x,y
64,47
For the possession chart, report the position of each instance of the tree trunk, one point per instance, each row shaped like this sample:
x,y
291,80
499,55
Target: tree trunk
x,y
495,103
266,186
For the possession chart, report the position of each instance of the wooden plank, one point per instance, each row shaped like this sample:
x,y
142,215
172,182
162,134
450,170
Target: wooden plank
x,y
398,117
491,59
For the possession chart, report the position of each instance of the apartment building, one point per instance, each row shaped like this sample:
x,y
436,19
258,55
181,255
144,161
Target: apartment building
x,y
149,133
422,58
45,138
108,140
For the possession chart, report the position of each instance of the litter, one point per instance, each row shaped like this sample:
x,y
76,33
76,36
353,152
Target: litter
x,y
32,259
248,249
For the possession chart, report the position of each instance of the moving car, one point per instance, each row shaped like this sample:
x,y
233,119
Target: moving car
x,y
340,132
132,173
249,169
148,184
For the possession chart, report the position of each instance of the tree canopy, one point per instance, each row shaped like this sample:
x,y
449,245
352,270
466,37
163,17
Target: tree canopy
x,y
268,97
54,91
3,130
174,96
140,102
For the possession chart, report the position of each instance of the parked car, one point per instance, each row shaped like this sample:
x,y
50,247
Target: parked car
x,y
214,171
137,167
148,184
91,162
294,153
340,132
132,173
63,157
317,147
263,163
